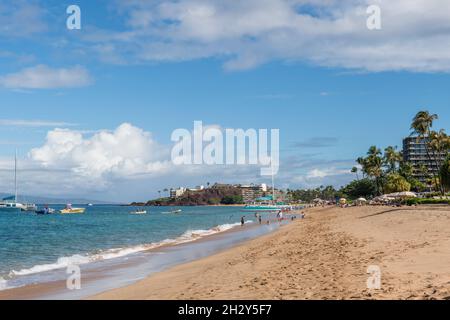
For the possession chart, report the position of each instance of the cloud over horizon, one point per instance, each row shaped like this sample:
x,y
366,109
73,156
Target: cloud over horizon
x,y
45,77
72,162
125,152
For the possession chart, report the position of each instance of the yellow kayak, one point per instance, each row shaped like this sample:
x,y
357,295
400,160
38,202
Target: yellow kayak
x,y
73,210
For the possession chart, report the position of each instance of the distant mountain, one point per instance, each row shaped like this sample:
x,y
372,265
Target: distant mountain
x,y
45,200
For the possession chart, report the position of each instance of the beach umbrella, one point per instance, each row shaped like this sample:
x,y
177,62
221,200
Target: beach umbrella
x,y
404,194
361,200
342,201
407,194
384,198
390,195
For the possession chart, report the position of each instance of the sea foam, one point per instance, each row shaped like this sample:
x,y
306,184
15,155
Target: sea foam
x,y
3,284
64,262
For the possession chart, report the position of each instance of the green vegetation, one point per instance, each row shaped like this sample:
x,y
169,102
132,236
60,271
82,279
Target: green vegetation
x,y
439,142
445,173
417,201
308,195
364,188
391,174
396,183
384,171
236,199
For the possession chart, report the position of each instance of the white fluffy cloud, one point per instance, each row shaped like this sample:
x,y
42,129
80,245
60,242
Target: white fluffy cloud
x,y
414,34
125,152
44,77
127,164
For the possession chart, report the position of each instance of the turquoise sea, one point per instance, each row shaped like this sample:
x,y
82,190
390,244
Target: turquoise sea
x,y
38,244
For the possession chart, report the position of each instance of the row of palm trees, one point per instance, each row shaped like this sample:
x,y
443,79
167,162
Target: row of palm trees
x,y
380,166
388,168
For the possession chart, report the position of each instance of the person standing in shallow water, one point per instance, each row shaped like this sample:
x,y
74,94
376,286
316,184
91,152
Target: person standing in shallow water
x,y
260,219
242,221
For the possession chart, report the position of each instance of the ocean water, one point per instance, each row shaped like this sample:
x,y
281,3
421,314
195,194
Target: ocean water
x,y
37,244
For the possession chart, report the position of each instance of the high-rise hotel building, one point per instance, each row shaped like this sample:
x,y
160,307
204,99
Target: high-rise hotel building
x,y
415,152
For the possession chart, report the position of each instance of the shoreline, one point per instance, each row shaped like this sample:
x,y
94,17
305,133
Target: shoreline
x,y
184,206
326,256
55,288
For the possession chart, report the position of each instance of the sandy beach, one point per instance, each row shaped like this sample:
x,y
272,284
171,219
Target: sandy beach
x,y
324,256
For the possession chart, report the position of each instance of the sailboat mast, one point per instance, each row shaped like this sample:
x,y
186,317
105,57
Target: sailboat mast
x,y
273,183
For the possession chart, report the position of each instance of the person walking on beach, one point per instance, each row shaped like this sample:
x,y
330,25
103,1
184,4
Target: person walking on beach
x,y
242,221
280,216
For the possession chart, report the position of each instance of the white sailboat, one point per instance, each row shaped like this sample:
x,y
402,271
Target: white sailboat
x,y
10,204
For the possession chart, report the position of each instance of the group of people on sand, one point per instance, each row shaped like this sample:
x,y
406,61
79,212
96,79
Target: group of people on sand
x,y
279,218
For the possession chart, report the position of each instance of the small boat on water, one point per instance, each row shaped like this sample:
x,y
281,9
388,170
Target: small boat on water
x,y
139,212
69,210
29,207
73,210
46,210
173,211
6,206
10,204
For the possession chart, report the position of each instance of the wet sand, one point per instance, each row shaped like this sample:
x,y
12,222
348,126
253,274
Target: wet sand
x,y
324,256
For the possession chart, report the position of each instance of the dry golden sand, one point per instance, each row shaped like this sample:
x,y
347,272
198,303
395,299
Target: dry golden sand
x,y
324,256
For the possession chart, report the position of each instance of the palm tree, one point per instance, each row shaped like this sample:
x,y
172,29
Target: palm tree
x,y
374,166
392,158
421,126
159,192
423,171
166,190
422,123
355,170
362,162
445,173
439,144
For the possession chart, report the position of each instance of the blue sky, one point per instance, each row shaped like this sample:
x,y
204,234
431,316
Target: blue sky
x,y
140,63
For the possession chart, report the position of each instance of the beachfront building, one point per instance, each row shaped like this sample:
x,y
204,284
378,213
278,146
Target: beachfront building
x,y
415,152
252,192
176,193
